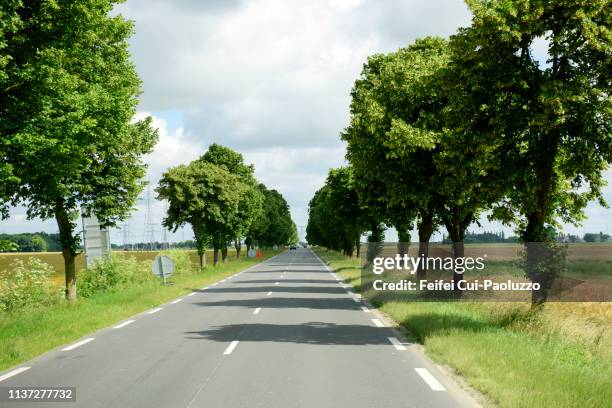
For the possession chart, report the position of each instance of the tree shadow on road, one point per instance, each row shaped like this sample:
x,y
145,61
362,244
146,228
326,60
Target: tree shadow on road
x,y
285,303
306,333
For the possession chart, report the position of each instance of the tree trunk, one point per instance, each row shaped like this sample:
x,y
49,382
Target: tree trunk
x,y
403,237
238,247
69,242
425,227
224,253
202,256
358,247
215,255
535,236
458,252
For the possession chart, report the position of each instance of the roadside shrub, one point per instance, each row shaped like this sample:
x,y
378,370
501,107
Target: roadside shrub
x,y
182,261
26,284
111,272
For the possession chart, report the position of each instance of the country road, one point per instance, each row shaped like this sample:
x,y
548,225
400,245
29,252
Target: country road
x,y
285,333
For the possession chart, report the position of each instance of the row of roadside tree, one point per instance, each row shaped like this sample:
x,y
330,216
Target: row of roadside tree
x,y
445,131
220,198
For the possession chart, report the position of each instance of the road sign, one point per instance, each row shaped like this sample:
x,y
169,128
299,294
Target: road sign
x,y
163,267
96,240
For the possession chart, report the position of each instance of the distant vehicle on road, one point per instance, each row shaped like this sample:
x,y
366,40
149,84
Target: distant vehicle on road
x,y
293,247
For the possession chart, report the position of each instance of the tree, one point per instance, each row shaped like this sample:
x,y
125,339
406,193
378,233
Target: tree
x,y
8,246
251,201
68,94
552,118
202,195
274,225
336,217
412,154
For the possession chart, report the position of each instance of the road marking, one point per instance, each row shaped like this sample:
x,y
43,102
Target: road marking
x,y
269,293
231,347
78,344
176,301
155,310
396,343
215,284
256,311
191,294
276,283
378,323
430,379
205,287
353,297
124,324
365,309
14,372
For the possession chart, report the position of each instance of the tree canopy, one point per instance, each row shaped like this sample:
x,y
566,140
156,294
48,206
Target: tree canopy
x,y
68,92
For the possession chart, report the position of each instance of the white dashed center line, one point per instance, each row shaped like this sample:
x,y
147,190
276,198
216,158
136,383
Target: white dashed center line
x,y
256,311
269,293
231,347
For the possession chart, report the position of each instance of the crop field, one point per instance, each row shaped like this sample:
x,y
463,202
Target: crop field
x,y
56,260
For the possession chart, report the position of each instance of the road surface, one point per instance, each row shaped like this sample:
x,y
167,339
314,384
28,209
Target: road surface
x,y
285,333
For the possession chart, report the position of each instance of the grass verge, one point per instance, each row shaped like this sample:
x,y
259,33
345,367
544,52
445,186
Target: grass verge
x,y
28,333
558,357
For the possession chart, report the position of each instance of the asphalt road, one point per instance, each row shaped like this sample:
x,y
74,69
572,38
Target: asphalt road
x,y
283,334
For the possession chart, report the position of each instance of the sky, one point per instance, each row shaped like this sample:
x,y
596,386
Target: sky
x,y
270,79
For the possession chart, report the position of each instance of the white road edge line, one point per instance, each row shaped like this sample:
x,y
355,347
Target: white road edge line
x,y
78,344
191,294
231,347
269,293
378,323
176,301
14,372
155,310
365,309
124,324
396,343
256,311
430,379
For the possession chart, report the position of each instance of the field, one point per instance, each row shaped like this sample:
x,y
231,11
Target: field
x,y
560,356
56,260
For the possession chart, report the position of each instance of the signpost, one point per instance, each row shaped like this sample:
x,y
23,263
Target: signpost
x,y
163,267
96,240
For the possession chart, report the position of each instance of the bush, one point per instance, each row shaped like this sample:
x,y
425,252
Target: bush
x,y
114,271
26,285
182,261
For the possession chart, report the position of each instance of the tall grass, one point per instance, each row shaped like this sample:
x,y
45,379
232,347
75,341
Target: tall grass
x,y
559,356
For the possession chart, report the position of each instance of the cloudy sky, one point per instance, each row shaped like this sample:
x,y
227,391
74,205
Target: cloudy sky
x,y
269,78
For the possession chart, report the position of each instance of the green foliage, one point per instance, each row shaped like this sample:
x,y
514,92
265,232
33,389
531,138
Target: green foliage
x,y
203,195
114,272
69,92
8,246
26,284
336,218
274,225
182,261
34,242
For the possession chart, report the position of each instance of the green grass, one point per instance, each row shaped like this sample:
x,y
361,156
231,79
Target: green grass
x,y
28,333
560,356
